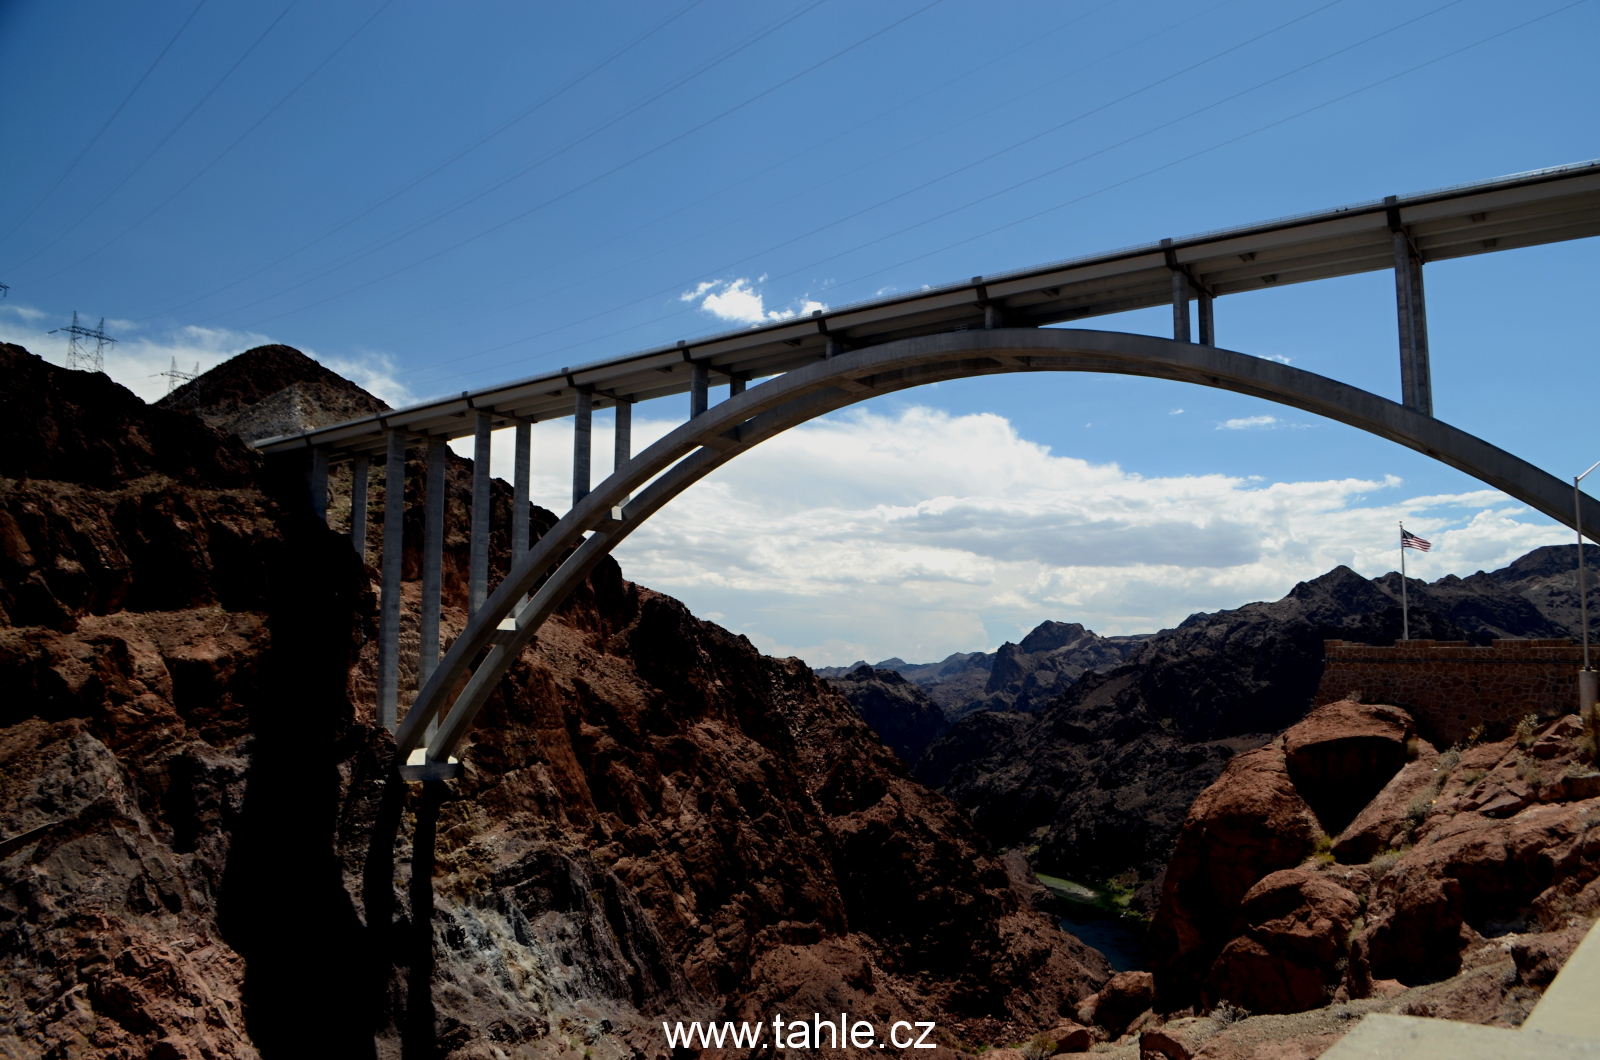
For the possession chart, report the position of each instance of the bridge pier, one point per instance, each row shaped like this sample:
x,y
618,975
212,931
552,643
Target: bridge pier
x,y
394,501
1208,331
1180,307
478,577
432,563
1416,375
699,388
319,482
582,429
521,470
622,450
358,504
735,384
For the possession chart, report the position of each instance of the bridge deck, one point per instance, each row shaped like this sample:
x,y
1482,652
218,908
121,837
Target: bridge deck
x,y
1524,210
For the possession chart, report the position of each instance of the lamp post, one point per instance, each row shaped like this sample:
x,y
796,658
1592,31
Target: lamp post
x,y
1588,679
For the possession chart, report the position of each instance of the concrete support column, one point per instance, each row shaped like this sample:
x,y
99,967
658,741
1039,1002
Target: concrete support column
x,y
623,450
1416,378
993,317
432,560
582,428
699,387
833,349
735,385
319,482
521,471
1180,306
478,575
358,504
1208,331
394,500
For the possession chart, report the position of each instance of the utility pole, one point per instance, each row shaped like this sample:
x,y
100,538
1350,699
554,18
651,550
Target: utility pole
x,y
79,357
174,377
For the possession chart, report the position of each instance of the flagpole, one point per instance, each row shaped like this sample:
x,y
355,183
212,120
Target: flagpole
x,y
1405,616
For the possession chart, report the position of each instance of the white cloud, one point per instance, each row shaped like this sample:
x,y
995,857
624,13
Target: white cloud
x,y
861,536
375,373
1246,423
1175,412
27,313
737,301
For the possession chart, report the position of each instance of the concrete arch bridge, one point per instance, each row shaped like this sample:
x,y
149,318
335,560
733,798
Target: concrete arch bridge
x,y
817,365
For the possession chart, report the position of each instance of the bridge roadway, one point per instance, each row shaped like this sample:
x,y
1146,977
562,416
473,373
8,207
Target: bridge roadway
x,y
838,358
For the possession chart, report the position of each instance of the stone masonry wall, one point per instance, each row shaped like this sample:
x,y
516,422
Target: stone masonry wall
x,y
1451,687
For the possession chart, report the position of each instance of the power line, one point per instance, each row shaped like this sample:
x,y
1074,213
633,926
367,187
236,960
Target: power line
x,y
160,143
684,79
107,124
1041,213
226,150
503,127
593,180
995,154
841,175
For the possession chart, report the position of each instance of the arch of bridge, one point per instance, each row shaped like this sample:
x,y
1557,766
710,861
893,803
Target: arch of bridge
x,y
709,440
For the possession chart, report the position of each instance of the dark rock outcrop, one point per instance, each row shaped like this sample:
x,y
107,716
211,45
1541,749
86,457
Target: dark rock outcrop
x,y
902,715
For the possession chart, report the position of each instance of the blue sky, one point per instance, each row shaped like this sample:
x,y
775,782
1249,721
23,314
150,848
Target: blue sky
x,y
430,199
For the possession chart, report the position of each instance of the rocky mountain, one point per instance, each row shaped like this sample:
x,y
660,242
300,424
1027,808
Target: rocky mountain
x,y
205,853
269,391
901,713
1025,677
1097,784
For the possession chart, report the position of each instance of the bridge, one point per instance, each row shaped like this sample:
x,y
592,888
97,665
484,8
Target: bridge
x,y
810,366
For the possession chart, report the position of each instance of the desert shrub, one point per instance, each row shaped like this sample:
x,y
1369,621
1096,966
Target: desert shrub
x,y
1526,729
1528,770
1471,777
1227,1012
1475,737
1038,1047
1449,760
1383,864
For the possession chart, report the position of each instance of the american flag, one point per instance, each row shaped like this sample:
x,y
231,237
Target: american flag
x,y
1410,540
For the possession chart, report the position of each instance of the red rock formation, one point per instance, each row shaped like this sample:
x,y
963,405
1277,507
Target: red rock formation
x,y
1250,823
202,854
1297,923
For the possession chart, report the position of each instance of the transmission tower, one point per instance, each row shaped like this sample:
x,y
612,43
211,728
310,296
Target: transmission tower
x,y
79,356
3,290
174,377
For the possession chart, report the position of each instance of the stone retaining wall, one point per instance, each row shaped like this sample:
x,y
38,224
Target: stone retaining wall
x,y
1451,687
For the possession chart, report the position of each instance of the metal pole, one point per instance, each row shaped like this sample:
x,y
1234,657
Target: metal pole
x,y
394,500
1405,609
358,504
519,490
582,428
478,575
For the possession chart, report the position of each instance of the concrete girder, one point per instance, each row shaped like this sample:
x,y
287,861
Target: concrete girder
x,y
697,447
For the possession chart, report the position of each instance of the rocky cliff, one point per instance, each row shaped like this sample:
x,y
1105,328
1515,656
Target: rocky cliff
x,y
1350,859
204,853
1098,783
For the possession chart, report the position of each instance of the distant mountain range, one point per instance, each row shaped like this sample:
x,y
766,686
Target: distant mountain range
x,y
1088,750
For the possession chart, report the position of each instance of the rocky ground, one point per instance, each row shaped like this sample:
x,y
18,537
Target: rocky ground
x,y
204,856
1096,785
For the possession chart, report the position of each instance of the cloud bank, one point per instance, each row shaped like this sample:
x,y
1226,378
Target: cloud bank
x,y
738,302
919,534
